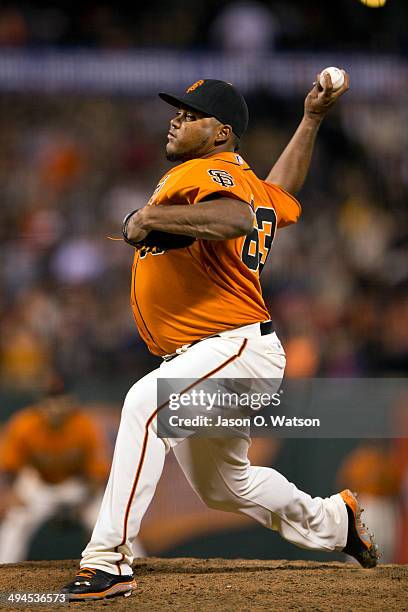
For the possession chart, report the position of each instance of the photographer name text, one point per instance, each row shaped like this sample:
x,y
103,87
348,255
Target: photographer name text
x,y
257,421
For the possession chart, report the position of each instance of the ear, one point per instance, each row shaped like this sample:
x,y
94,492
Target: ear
x,y
224,133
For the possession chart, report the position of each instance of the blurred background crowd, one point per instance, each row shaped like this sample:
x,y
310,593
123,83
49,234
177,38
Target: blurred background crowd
x,y
225,24
73,164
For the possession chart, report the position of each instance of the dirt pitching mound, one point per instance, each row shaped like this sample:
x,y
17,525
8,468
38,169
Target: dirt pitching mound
x,y
219,584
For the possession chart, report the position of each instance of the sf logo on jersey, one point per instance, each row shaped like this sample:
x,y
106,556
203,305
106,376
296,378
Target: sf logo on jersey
x,y
221,177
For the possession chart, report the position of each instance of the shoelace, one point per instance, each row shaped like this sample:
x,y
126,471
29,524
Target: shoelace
x,y
86,572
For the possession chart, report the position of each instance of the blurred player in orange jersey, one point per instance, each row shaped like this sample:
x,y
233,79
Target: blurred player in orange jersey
x,y
52,456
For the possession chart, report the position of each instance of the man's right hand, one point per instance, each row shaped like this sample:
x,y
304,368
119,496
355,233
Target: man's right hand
x,y
320,99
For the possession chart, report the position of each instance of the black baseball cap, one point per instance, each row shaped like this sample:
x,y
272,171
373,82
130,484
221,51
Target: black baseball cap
x,y
216,99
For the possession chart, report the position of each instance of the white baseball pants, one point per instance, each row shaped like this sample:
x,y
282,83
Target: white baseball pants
x,y
217,468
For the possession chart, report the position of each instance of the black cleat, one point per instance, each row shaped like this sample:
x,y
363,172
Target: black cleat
x,y
90,584
360,542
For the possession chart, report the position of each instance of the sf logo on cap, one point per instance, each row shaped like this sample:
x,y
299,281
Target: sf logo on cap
x,y
221,177
194,86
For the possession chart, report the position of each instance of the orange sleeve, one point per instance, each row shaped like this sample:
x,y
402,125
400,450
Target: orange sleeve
x,y
12,444
206,179
287,208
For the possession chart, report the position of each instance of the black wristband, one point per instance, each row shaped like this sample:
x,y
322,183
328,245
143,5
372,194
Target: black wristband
x,y
125,227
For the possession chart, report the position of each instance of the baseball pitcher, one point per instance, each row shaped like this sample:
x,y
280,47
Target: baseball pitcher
x,y
200,246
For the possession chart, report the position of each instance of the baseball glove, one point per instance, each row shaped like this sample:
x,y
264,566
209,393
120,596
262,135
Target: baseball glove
x,y
156,241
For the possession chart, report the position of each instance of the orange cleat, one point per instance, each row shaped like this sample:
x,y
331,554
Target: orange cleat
x,y
90,584
360,542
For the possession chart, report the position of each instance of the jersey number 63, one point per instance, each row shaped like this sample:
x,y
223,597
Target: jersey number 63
x,y
257,245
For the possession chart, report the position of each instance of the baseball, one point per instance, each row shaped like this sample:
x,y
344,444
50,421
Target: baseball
x,y
336,75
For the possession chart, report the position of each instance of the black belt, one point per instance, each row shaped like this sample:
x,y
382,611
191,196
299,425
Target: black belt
x,y
266,327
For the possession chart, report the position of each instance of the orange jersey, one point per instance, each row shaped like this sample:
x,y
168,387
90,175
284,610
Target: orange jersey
x,y
183,295
78,448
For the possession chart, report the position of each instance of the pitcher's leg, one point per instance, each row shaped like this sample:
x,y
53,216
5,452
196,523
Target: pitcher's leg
x,y
139,457
219,471
136,468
